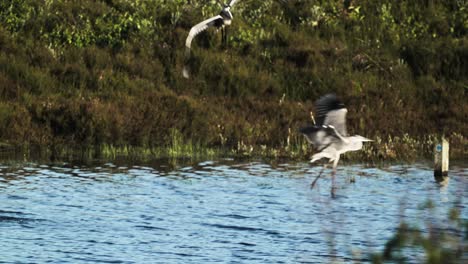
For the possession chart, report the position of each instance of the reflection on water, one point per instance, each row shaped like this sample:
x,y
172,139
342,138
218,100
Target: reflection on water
x,y
212,211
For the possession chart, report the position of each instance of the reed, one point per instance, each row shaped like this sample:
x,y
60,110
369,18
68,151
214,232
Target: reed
x,y
404,149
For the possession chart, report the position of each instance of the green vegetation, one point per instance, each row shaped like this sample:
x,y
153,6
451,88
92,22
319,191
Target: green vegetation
x,y
107,75
438,243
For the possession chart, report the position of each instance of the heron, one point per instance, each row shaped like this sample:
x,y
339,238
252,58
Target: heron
x,y
329,136
220,21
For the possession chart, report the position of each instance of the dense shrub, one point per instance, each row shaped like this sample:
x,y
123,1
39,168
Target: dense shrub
x,y
94,72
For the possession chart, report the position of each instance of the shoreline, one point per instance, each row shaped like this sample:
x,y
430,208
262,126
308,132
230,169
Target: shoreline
x,y
405,149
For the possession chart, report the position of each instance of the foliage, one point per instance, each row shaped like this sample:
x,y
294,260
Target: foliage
x,y
437,244
109,72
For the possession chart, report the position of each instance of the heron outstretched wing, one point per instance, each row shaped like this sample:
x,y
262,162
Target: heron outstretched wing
x,y
194,31
331,112
224,18
198,28
319,136
232,2
337,119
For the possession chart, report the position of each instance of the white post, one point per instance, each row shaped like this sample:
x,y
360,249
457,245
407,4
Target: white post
x,y
441,158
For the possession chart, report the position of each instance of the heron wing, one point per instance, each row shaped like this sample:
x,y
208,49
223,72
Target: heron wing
x,y
331,112
194,31
232,3
321,137
337,119
200,27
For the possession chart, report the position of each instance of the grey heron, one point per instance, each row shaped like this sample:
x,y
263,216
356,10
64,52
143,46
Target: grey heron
x,y
329,135
223,19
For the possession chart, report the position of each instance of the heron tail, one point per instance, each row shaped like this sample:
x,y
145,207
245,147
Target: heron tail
x,y
320,156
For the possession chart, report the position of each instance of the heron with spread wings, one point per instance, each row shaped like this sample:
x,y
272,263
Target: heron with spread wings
x,y
329,135
220,21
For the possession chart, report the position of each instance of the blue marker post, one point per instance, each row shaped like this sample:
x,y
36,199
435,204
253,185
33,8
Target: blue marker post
x,y
441,159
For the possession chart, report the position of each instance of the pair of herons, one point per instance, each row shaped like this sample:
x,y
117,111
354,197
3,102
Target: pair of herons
x,y
328,135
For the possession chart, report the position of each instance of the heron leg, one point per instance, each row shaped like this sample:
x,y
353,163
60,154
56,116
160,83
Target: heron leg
x,y
223,37
316,178
335,164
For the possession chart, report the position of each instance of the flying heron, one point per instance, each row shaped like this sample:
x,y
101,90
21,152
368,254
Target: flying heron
x,y
223,19
328,134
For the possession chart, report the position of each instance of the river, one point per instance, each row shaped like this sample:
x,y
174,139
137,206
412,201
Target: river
x,y
221,211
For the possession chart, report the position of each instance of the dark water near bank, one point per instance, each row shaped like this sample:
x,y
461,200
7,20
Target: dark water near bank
x,y
213,211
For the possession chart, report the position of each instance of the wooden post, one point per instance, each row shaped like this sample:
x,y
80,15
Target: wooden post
x,y
441,158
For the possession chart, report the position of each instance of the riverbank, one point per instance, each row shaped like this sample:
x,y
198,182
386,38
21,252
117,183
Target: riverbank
x,y
106,76
405,149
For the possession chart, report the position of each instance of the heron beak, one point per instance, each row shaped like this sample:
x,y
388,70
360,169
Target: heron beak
x,y
363,139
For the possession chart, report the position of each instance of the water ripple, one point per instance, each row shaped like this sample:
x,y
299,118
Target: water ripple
x,y
213,211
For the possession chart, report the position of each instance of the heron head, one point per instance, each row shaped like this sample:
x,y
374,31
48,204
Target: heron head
x,y
227,15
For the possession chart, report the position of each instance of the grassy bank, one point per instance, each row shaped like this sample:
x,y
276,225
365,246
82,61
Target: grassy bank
x,y
106,76
405,149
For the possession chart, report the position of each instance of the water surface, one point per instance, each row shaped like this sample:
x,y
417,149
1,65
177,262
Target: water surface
x,y
213,211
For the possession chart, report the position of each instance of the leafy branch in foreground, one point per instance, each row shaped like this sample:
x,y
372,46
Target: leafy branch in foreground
x,y
436,245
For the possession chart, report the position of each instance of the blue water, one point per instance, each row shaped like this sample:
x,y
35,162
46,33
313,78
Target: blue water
x,y
214,211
